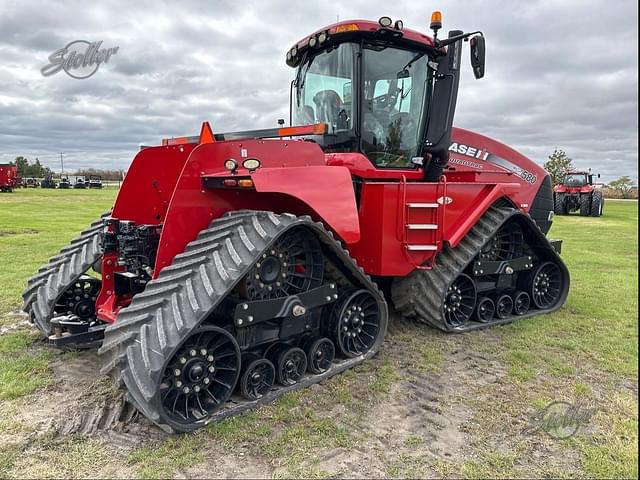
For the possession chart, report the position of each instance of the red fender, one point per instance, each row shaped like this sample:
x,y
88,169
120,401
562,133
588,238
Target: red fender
x,y
296,167
328,191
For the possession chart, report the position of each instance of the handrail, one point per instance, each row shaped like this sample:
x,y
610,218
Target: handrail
x,y
440,234
403,227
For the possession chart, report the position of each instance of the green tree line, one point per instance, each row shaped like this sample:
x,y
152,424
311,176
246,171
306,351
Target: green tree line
x,y
35,169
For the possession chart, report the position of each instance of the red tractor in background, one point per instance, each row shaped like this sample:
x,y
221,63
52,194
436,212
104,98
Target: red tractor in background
x,y
236,267
578,193
8,177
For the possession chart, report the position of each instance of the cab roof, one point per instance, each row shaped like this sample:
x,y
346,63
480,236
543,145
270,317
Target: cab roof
x,y
356,29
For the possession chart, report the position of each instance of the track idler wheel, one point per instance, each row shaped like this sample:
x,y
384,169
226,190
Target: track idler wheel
x,y
546,285
320,355
460,301
521,303
80,299
504,306
200,376
356,321
485,310
257,379
292,363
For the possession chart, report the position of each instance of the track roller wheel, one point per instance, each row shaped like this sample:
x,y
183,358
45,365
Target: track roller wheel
x,y
485,310
257,379
460,301
546,285
292,363
504,306
521,303
320,354
357,323
200,376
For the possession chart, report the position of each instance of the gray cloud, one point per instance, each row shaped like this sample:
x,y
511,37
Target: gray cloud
x,y
559,74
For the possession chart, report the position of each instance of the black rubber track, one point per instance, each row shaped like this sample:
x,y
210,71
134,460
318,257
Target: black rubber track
x,y
148,332
44,288
420,295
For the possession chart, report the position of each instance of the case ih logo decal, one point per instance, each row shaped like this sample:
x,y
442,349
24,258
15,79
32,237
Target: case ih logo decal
x,y
469,151
79,59
482,154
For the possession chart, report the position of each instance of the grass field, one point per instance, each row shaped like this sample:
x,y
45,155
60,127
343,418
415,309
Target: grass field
x,y
429,405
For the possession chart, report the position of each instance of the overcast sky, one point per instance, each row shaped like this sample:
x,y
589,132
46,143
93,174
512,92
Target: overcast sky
x,y
559,74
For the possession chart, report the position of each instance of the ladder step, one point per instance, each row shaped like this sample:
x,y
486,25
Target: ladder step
x,y
421,248
422,205
422,226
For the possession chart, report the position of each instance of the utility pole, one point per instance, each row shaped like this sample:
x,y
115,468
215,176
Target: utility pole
x,y
61,165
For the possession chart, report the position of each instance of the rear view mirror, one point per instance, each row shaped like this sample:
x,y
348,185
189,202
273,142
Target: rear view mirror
x,y
598,175
477,56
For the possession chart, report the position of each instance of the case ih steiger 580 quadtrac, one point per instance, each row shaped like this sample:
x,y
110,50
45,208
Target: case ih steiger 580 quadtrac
x,y
241,266
577,193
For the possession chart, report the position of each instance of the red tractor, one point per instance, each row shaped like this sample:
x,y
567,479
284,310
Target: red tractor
x,y
8,177
240,266
577,193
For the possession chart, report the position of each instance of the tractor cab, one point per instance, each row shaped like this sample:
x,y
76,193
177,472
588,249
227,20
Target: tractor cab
x,y
384,91
578,179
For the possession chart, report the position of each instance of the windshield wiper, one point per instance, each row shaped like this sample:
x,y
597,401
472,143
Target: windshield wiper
x,y
300,78
411,62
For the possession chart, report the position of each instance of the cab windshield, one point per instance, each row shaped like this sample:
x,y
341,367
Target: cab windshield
x,y
392,91
577,180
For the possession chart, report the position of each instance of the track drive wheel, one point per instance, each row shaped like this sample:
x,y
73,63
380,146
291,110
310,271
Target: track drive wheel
x,y
294,264
292,363
200,376
506,244
257,379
